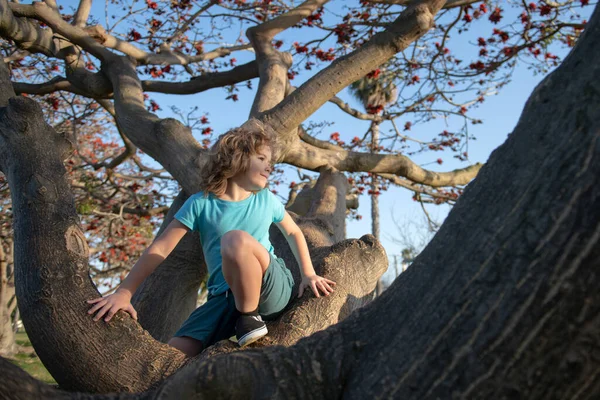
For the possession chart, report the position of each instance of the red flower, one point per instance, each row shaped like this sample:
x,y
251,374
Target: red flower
x,y
134,35
300,49
545,10
481,41
440,161
479,65
325,55
374,109
207,131
374,74
496,15
153,106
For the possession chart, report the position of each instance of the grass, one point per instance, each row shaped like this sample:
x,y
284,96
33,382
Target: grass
x,y
27,360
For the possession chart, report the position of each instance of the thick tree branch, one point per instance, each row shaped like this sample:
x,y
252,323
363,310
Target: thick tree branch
x,y
167,140
270,29
53,85
195,85
272,64
204,82
306,156
94,39
414,187
414,22
82,14
27,35
166,57
42,12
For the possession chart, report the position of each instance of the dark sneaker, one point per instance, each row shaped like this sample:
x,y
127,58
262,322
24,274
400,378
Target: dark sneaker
x,y
249,328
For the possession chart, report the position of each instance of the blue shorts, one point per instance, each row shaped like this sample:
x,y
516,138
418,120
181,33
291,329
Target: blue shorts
x,y
215,319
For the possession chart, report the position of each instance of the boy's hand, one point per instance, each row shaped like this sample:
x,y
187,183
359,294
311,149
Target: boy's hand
x,y
109,305
316,283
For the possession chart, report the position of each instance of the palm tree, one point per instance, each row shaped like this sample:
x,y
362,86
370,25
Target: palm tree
x,y
375,91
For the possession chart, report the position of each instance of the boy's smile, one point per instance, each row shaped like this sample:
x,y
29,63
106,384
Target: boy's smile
x,y
259,168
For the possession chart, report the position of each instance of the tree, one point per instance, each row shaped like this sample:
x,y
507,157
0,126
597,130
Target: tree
x,y
492,319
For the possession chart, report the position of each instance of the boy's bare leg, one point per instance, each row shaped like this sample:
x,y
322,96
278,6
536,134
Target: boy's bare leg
x,y
191,347
245,261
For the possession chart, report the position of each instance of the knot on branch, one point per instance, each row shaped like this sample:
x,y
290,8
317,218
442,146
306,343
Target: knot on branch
x,y
97,32
76,242
42,189
425,17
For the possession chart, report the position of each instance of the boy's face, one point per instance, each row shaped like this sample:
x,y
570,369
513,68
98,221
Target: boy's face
x,y
259,168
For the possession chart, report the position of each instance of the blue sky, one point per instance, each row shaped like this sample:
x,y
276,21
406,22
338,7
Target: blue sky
x,y
499,114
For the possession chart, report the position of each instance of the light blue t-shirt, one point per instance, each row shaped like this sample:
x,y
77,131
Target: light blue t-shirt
x,y
213,217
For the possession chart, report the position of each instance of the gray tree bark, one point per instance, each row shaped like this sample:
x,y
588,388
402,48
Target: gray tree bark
x,y
503,303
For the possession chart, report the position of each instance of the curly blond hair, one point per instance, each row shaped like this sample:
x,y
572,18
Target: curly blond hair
x,y
229,156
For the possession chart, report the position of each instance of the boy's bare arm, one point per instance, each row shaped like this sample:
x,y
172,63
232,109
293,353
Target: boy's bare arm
x,y
297,243
150,259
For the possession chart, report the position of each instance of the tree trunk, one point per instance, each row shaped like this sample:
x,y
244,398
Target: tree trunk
x,y
375,197
8,346
503,303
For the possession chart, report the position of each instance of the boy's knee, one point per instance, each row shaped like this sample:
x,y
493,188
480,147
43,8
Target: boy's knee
x,y
233,243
